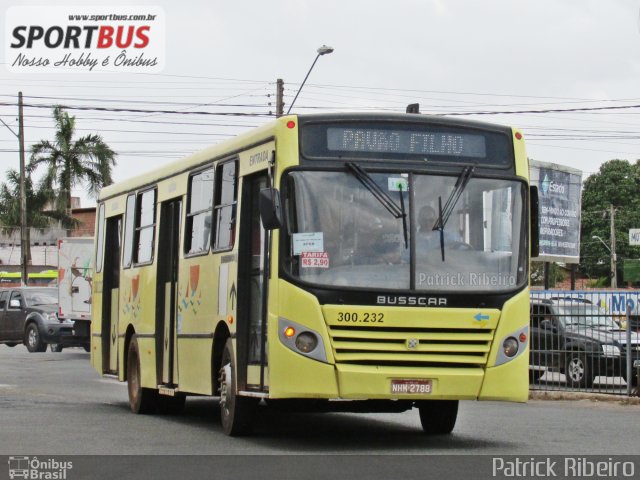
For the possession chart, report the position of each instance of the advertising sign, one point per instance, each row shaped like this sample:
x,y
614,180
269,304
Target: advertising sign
x,y
559,192
634,237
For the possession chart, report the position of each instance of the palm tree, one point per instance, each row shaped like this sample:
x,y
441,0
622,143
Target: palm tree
x,y
39,212
87,160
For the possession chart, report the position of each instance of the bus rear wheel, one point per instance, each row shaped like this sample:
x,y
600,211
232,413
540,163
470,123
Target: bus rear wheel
x,y
438,417
141,400
236,413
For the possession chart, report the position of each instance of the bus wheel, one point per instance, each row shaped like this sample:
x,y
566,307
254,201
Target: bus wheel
x,y
141,400
438,417
236,413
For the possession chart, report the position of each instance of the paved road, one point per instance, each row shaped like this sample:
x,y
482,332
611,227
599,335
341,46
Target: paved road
x,y
55,403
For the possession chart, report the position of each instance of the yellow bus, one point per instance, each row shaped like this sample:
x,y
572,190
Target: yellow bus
x,y
341,262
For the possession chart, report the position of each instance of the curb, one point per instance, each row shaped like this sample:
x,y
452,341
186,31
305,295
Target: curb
x,y
573,396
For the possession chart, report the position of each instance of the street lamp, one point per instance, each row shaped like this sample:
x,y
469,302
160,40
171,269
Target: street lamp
x,y
614,259
323,50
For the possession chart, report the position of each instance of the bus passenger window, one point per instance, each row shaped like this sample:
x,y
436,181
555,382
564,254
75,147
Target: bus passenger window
x,y
225,206
145,226
198,227
127,256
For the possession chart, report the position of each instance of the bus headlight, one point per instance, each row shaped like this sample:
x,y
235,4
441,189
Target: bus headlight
x,y
301,339
306,342
510,347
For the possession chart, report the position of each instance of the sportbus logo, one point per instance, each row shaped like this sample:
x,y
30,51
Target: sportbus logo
x,y
111,39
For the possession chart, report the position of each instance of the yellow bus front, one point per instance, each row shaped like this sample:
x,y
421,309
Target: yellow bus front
x,y
402,262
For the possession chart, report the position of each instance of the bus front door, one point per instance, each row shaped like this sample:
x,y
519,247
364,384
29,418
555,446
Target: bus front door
x,y
166,296
110,295
252,294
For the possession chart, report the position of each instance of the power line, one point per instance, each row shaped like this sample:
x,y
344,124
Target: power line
x,y
135,110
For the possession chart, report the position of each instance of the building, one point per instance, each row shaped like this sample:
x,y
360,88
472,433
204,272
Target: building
x,y
44,243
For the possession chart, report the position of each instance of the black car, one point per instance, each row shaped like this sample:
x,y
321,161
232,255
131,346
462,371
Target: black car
x,y
29,315
575,337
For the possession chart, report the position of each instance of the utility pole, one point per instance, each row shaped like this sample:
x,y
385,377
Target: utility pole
x,y
279,97
614,260
23,198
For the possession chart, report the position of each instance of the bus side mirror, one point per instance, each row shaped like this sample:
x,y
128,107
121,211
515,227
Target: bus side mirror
x,y
270,212
534,216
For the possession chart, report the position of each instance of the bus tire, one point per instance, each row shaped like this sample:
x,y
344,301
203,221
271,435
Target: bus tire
x,y
438,417
141,400
236,413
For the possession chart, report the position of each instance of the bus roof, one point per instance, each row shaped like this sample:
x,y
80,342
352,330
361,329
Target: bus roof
x,y
268,130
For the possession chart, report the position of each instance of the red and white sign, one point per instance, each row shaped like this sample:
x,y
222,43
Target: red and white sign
x,y
77,39
314,260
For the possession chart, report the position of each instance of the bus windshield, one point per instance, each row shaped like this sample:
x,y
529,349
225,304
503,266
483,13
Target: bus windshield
x,y
341,235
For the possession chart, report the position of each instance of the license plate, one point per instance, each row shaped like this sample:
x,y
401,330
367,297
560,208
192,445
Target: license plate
x,y
411,387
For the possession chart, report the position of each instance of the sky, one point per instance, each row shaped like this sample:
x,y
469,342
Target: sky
x,y
451,57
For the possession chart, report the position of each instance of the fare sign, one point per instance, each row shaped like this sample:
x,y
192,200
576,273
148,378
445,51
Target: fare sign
x,y
314,260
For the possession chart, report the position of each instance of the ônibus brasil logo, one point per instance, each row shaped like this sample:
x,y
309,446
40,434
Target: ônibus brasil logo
x,y
85,39
38,469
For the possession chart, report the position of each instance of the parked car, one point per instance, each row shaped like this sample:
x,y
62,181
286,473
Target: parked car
x,y
577,338
29,315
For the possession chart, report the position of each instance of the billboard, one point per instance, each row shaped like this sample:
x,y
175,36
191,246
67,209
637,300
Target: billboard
x,y
559,192
634,237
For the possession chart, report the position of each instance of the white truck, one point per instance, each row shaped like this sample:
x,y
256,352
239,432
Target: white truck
x,y
75,280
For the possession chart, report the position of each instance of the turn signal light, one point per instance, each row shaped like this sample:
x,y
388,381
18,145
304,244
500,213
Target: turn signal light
x,y
289,332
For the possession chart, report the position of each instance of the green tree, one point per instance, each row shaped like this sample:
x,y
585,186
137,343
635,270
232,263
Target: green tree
x,y
556,275
86,161
39,215
617,183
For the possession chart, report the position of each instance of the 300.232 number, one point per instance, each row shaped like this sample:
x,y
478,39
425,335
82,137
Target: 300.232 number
x,y
367,317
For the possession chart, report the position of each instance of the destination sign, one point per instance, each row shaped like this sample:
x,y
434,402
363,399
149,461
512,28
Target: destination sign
x,y
376,140
407,141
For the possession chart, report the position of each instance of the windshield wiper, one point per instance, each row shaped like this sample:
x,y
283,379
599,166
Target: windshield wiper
x,y
445,212
387,202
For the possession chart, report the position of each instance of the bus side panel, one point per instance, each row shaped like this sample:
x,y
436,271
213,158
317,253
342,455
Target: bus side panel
x,y
203,301
292,375
96,322
137,308
509,381
197,315
522,164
